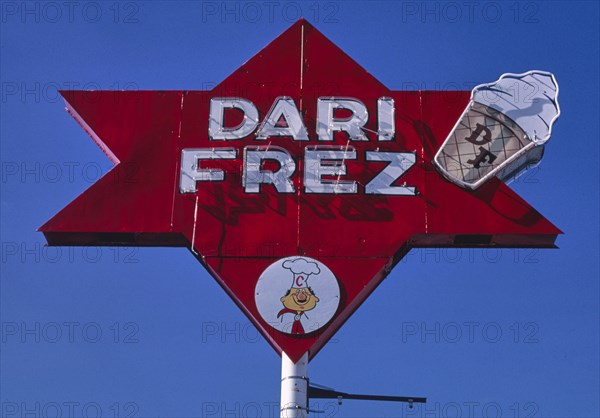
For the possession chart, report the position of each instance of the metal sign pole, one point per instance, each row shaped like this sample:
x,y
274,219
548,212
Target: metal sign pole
x,y
294,387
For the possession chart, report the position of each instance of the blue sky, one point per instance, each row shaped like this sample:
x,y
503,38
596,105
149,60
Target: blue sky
x,y
147,333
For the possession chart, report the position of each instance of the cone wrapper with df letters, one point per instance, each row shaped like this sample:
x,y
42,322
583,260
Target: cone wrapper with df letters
x,y
502,131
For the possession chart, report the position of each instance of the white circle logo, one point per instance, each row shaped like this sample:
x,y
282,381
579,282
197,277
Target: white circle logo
x,y
297,295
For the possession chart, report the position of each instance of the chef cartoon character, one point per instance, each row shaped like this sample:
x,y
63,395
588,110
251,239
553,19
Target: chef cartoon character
x,y
300,298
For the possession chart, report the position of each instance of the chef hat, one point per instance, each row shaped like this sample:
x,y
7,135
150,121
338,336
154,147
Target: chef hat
x,y
300,280
301,270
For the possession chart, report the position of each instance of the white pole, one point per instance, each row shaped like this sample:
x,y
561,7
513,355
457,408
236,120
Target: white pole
x,y
294,387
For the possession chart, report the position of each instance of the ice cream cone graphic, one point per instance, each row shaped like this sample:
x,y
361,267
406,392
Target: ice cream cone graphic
x,y
502,131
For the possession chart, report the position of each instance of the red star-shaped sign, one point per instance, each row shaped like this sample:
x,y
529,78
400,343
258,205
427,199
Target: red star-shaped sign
x,y
237,235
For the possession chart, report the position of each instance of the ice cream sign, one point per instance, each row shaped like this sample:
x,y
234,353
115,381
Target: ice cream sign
x,y
300,180
501,132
